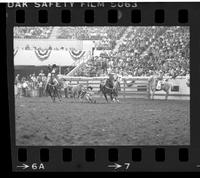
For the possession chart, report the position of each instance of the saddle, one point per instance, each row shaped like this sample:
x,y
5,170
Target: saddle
x,y
53,85
109,88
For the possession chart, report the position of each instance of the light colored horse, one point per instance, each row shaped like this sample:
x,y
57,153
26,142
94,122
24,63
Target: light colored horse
x,y
152,85
188,82
75,90
116,89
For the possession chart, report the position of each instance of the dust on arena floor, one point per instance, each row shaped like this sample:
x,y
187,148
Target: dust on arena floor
x,y
130,122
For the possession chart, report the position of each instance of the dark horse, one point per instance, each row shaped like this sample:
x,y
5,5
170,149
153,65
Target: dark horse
x,y
112,92
53,91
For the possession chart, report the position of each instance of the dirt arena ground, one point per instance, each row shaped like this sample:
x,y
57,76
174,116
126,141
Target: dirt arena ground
x,y
130,122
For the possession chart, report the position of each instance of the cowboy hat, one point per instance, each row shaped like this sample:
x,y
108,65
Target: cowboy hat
x,y
54,65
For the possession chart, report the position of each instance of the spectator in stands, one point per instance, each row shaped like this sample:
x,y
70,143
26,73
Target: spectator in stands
x,y
140,51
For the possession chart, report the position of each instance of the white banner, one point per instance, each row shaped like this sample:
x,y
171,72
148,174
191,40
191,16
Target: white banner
x,y
31,44
29,57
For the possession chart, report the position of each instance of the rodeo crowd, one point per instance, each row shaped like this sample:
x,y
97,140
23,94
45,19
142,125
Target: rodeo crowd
x,y
30,86
143,51
103,37
140,51
35,86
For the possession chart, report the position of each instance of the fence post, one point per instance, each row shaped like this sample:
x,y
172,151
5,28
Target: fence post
x,y
101,95
148,90
124,89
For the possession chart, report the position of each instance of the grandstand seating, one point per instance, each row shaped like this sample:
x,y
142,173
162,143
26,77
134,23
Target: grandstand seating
x,y
104,37
32,32
146,49
140,51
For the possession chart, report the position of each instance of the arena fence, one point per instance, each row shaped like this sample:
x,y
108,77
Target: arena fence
x,y
139,89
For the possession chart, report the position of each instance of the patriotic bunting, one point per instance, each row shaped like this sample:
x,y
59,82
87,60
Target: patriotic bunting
x,y
42,54
76,54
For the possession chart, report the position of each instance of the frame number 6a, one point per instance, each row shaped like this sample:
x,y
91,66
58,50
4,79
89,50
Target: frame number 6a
x,y
37,166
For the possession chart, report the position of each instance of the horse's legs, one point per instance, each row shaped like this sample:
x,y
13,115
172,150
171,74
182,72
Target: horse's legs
x,y
58,95
166,96
116,98
105,97
54,94
152,94
149,93
111,97
74,95
79,96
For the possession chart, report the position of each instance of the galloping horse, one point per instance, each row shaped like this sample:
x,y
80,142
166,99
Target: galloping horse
x,y
152,84
53,90
112,92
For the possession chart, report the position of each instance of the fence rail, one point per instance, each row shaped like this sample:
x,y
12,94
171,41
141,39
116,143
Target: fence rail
x,y
138,89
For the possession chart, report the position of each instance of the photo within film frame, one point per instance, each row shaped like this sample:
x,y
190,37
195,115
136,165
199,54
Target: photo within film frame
x,y
97,158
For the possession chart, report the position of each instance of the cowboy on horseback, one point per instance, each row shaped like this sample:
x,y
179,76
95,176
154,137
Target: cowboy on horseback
x,y
109,81
52,87
52,71
53,81
157,83
160,80
110,87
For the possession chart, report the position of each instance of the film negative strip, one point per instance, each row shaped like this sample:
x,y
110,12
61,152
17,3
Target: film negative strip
x,y
102,87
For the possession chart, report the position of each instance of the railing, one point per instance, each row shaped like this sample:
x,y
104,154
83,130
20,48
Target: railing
x,y
138,89
79,63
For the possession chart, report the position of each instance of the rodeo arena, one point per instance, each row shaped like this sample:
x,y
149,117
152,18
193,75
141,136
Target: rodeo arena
x,y
102,85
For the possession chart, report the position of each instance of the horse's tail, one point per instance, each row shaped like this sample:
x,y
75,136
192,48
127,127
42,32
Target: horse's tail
x,y
120,85
48,90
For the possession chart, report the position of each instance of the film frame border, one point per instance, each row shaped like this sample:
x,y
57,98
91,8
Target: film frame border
x,y
149,162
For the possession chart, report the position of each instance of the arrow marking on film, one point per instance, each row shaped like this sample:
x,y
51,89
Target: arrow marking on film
x,y
115,165
24,166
